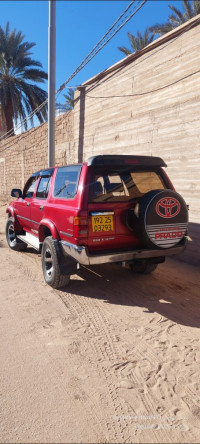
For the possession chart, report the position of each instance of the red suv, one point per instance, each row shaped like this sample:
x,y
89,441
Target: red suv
x,y
118,208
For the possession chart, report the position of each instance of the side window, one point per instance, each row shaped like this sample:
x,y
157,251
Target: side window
x,y
30,187
66,182
43,188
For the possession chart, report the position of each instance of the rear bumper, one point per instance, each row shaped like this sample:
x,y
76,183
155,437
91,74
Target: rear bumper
x,y
81,254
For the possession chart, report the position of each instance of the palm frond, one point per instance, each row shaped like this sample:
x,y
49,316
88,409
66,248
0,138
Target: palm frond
x,y
137,42
190,10
18,95
125,50
179,15
196,7
69,104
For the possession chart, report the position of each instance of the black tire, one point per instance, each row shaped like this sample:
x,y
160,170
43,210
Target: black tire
x,y
13,242
50,264
143,267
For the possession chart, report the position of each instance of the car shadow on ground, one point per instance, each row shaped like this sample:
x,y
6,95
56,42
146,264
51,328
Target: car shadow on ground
x,y
163,292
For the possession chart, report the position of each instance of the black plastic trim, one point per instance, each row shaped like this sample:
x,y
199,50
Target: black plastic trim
x,y
126,160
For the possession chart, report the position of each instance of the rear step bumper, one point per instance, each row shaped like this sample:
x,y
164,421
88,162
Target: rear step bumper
x,y
81,254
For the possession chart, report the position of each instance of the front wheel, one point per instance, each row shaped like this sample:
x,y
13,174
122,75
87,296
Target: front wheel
x,y
143,267
13,242
50,264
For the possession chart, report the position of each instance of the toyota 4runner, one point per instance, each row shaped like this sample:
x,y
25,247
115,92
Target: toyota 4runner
x,y
112,208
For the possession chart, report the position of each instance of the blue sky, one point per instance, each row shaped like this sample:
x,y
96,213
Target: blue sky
x,y
79,26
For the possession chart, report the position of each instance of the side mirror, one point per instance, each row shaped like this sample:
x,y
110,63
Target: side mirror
x,y
16,192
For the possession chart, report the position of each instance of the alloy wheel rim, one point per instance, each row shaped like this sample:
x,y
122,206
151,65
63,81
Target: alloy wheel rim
x,y
48,262
11,235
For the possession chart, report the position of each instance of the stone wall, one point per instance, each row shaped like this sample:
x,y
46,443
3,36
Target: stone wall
x,y
26,153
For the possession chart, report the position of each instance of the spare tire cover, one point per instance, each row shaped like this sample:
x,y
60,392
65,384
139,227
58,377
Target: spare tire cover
x,y
163,218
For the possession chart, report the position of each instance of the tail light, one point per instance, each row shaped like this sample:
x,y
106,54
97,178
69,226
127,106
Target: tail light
x,y
80,227
80,220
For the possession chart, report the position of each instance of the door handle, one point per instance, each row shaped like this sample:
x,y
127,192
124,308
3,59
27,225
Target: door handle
x,y
41,207
28,203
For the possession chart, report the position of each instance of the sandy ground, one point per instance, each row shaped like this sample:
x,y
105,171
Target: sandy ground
x,y
112,358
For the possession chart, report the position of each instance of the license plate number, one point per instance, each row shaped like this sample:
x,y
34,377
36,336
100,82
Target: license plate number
x,y
102,223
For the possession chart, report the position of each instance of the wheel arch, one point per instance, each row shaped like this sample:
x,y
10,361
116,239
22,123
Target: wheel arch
x,y
10,212
12,215
47,228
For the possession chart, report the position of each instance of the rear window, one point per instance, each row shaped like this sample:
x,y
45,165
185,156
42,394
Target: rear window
x,y
123,185
66,182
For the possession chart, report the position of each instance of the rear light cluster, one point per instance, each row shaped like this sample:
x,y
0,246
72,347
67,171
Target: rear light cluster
x,y
80,226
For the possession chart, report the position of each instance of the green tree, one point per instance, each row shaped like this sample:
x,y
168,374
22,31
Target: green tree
x,y
69,101
137,42
190,10
18,95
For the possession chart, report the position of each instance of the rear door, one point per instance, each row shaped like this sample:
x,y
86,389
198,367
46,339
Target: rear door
x,y
64,200
114,194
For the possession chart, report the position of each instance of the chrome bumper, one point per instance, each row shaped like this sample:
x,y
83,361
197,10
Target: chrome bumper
x,y
81,254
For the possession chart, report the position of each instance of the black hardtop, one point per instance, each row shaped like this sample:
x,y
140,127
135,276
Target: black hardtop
x,y
124,159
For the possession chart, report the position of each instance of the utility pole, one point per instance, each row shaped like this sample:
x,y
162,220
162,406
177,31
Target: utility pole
x,y
51,82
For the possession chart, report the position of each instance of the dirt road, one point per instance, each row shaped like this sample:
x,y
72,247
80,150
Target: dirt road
x,y
113,358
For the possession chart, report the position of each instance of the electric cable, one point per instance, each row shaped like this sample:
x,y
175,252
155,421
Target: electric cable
x,y
124,17
146,92
127,15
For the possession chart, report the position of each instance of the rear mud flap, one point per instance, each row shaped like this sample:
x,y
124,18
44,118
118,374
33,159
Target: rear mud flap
x,y
67,264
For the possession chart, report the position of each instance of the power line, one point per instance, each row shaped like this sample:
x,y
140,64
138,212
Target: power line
x,y
128,13
150,54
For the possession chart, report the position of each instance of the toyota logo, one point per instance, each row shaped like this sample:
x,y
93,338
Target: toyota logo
x,y
168,207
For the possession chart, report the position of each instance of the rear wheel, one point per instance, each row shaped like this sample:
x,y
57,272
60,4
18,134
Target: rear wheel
x,y
13,242
50,264
143,267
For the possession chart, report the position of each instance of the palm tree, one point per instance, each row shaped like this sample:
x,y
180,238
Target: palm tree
x,y
69,104
191,9
137,42
69,101
18,95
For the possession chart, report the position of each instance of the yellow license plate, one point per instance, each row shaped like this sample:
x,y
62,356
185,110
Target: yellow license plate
x,y
102,223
